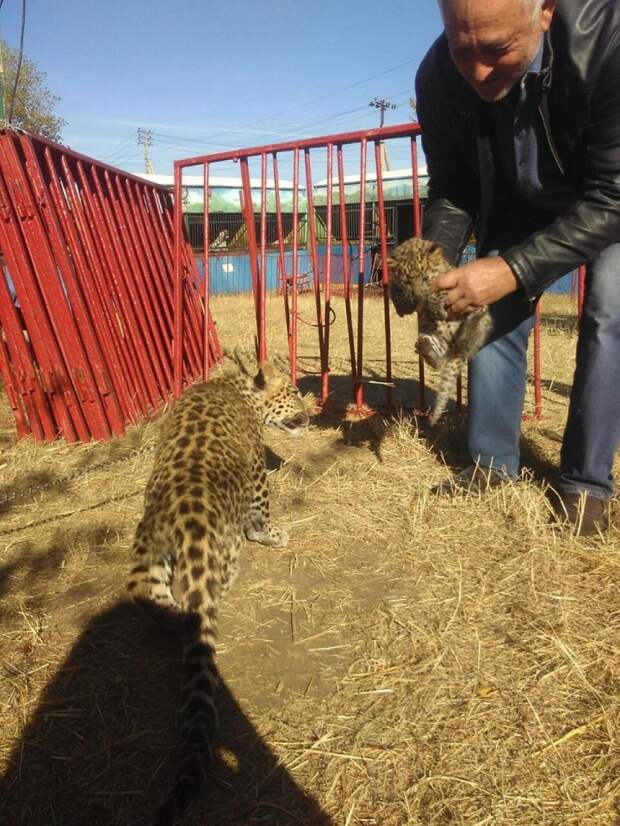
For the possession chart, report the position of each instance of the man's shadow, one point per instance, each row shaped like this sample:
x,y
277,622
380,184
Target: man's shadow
x,y
100,748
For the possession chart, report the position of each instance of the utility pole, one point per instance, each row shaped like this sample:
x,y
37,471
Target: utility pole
x,y
145,139
382,104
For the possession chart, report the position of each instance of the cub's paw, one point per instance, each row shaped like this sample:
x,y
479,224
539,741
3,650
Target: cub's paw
x,y
271,536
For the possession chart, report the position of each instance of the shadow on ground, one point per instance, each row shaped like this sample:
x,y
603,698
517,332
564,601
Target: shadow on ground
x,y
100,747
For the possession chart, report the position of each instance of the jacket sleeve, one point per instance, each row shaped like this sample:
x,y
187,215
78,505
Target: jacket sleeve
x,y
592,223
453,191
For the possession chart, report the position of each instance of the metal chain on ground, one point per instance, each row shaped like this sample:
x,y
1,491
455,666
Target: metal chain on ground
x,y
70,477
56,517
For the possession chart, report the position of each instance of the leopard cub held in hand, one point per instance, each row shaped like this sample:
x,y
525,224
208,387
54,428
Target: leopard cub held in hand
x,y
445,344
207,492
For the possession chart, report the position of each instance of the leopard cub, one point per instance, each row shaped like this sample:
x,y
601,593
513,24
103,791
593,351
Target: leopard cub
x,y
206,493
447,345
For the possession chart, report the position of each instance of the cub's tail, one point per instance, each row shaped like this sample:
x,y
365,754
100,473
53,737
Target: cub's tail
x,y
447,380
198,715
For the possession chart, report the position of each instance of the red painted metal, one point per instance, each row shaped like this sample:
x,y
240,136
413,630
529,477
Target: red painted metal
x,y
358,389
86,337
346,264
327,277
581,289
314,257
385,277
288,262
417,231
295,271
262,332
537,365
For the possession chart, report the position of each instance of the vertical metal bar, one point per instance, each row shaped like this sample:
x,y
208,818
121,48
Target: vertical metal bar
x,y
581,292
114,277
20,210
294,311
385,286
315,266
78,197
86,304
148,305
163,216
281,256
262,292
178,289
359,387
346,261
72,322
537,365
327,282
248,211
206,265
417,231
21,371
11,389
136,301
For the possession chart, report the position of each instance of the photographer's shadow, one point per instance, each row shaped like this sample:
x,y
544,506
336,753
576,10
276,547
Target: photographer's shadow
x,y
100,748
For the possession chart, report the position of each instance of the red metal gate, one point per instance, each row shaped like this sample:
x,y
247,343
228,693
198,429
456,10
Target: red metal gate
x,y
368,145
86,294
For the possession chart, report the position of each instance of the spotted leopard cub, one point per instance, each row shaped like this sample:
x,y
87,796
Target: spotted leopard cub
x,y
207,492
447,345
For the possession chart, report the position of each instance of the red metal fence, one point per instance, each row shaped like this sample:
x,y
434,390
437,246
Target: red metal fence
x,y
327,155
86,294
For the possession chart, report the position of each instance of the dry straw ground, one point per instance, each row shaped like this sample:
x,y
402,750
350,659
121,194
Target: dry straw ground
x,y
406,660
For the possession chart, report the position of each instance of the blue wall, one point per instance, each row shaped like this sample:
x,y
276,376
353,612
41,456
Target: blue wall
x,y
232,273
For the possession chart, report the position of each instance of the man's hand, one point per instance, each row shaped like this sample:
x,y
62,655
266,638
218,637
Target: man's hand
x,y
480,282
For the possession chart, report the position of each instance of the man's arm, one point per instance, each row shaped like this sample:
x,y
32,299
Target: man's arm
x,y
453,193
584,230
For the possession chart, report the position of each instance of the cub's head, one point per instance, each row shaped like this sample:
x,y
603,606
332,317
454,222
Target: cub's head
x,y
283,405
412,265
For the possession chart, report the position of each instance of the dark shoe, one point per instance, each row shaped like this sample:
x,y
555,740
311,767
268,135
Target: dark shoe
x,y
473,479
585,514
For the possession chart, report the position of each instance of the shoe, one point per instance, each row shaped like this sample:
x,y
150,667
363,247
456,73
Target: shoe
x,y
473,479
586,514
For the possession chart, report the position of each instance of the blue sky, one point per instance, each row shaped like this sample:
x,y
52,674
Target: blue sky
x,y
206,75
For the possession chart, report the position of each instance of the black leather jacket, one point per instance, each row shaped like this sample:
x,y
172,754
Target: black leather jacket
x,y
579,89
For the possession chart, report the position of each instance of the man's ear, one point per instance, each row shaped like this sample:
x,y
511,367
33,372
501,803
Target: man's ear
x,y
546,15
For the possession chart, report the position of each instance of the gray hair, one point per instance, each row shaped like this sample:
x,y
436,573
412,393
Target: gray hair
x,y
534,7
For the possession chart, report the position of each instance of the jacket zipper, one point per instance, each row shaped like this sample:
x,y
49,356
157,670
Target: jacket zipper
x,y
550,143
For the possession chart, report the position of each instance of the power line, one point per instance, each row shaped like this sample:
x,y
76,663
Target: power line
x,y
324,97
119,147
19,62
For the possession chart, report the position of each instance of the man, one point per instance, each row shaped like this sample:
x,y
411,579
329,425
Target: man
x,y
519,103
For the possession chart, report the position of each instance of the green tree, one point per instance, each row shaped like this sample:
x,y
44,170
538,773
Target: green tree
x,y
33,104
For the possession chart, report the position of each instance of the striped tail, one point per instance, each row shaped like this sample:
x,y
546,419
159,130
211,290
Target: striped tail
x,y
447,379
198,716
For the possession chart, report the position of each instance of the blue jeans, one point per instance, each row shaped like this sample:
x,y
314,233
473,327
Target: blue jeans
x,y
497,376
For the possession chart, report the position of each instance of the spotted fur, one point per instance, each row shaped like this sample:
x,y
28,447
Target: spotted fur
x,y
207,491
447,345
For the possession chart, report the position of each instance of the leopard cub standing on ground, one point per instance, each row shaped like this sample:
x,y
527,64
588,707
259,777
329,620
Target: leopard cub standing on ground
x,y
206,493
445,344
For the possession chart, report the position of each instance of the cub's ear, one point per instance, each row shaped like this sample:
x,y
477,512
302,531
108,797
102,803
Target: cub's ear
x,y
266,374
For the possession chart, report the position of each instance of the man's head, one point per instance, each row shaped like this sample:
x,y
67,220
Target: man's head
x,y
492,42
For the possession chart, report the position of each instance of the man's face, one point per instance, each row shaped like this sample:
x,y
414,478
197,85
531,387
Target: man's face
x,y
492,42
